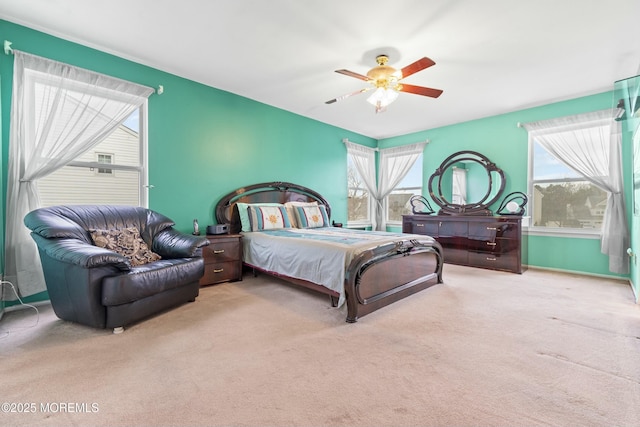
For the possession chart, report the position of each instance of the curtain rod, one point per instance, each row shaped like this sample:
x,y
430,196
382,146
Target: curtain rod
x,y
7,47
345,140
8,50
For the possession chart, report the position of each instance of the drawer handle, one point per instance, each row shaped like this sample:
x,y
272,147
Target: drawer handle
x,y
419,225
491,259
491,243
492,228
218,251
218,270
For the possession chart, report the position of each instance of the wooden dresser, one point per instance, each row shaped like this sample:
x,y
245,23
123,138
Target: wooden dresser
x,y
222,259
493,242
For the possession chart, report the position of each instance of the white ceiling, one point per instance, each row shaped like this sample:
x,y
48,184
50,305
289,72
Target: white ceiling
x,y
492,56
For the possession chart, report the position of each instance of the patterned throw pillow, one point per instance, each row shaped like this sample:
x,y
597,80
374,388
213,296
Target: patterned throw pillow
x,y
126,242
268,217
291,211
312,216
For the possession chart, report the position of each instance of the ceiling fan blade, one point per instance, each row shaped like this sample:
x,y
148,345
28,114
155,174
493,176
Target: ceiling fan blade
x,y
419,90
419,65
353,74
340,98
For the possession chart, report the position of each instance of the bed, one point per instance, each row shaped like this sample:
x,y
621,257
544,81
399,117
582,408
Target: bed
x,y
287,234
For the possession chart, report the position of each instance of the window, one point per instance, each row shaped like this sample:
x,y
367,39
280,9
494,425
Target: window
x,y
560,198
86,181
398,200
106,159
358,197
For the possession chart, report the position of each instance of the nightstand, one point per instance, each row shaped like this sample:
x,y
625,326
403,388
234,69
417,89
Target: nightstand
x,y
222,259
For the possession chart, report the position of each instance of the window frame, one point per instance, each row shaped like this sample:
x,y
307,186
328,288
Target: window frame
x,y
397,223
105,171
532,229
363,222
142,168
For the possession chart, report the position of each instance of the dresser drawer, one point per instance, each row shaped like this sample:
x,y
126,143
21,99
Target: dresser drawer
x,y
495,246
427,228
489,231
506,261
221,272
221,251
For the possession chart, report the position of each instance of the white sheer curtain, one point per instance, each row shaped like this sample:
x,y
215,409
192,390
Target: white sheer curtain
x,y
58,112
395,163
591,144
364,159
629,90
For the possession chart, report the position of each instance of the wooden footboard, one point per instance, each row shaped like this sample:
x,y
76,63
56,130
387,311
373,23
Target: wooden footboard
x,y
388,273
383,275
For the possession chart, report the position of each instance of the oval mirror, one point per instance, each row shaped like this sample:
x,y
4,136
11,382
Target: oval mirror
x,y
466,183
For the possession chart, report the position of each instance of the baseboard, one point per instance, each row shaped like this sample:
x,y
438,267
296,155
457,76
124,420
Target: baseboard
x,y
635,292
580,273
602,276
2,304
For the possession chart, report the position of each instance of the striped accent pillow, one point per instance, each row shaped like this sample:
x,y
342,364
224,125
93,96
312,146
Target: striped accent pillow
x,y
268,217
312,216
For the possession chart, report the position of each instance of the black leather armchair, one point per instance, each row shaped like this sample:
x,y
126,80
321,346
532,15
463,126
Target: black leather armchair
x,y
98,287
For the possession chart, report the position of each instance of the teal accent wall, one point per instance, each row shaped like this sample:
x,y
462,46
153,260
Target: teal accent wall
x,y
503,142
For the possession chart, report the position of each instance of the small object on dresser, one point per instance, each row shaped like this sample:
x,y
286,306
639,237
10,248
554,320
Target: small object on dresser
x,y
420,205
196,228
218,229
513,204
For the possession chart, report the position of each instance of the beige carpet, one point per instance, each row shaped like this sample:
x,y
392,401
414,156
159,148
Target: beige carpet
x,y
483,349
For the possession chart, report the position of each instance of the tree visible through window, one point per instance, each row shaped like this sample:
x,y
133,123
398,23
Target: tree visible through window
x,y
358,196
561,197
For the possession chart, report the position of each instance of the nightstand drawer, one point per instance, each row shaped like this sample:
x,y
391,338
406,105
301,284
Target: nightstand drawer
x,y
221,251
221,272
222,259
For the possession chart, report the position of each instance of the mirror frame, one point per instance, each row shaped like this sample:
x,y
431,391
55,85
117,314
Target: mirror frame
x,y
477,208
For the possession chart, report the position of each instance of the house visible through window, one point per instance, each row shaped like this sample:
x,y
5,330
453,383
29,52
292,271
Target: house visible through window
x,y
560,197
83,180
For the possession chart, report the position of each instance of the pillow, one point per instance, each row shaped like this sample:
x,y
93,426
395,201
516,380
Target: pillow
x,y
243,211
291,210
126,242
268,217
312,216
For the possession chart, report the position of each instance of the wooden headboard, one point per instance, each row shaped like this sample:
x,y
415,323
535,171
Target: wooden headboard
x,y
268,192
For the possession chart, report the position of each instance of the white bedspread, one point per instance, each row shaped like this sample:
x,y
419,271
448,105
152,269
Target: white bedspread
x,y
318,255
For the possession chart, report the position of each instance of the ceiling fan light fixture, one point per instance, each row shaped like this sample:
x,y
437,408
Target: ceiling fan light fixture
x,y
385,82
382,97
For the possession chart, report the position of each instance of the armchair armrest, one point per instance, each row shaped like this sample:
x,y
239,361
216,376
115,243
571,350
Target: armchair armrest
x,y
74,251
170,243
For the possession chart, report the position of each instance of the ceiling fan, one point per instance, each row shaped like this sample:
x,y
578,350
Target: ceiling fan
x,y
385,82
